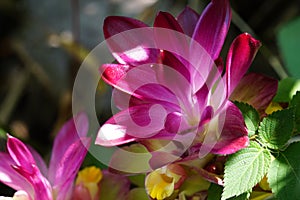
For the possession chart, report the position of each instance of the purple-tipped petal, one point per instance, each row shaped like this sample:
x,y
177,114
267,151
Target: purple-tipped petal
x,y
68,167
166,20
188,19
20,154
11,178
129,48
234,134
68,135
240,56
256,90
212,27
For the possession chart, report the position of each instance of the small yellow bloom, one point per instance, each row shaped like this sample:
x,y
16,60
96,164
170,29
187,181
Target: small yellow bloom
x,y
90,177
162,182
273,107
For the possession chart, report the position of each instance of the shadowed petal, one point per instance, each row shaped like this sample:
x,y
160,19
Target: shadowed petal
x,y
212,27
166,20
256,90
240,56
188,19
234,134
129,48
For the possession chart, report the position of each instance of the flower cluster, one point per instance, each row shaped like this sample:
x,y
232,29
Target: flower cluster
x,y
188,124
175,96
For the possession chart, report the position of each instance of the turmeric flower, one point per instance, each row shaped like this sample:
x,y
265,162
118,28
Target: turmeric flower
x,y
23,169
188,98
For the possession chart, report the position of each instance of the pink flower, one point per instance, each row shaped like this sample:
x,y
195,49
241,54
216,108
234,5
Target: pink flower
x,y
187,99
23,169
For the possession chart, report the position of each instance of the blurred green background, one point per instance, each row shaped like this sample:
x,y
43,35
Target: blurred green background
x,y
42,44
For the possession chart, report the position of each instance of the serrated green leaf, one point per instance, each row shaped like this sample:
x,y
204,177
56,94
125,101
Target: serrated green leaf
x,y
276,129
284,173
244,169
286,89
295,103
251,117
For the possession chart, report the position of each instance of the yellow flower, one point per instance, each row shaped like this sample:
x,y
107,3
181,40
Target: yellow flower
x,y
162,182
273,106
89,177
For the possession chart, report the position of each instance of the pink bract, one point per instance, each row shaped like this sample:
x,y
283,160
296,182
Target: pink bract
x,y
186,103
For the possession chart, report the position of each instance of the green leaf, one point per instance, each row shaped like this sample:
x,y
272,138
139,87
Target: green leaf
x,y
276,129
295,103
284,173
289,42
243,196
250,115
214,192
286,89
138,180
244,169
2,134
193,184
137,193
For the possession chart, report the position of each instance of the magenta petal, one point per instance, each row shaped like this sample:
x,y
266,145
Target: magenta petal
x,y
123,100
67,135
188,19
68,167
180,65
202,96
137,122
234,134
111,73
146,83
256,90
39,161
20,154
212,27
166,20
116,24
129,48
9,177
41,186
240,56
